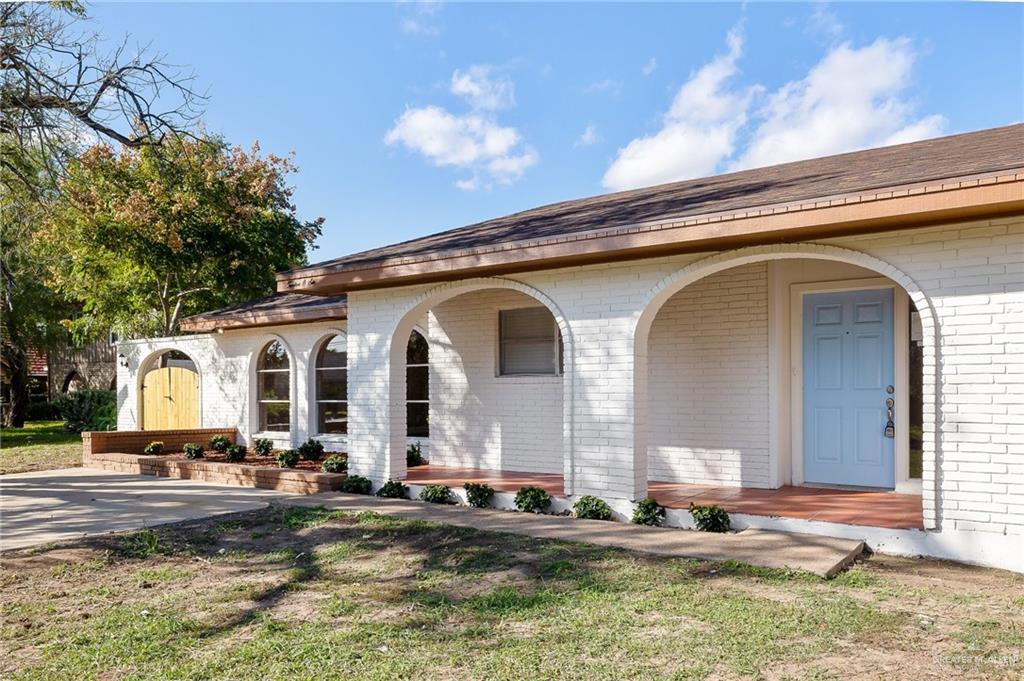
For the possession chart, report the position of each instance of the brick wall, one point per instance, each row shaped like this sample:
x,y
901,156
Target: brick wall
x,y
135,441
479,419
708,382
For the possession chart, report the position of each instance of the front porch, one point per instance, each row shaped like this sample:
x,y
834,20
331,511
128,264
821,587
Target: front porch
x,y
843,506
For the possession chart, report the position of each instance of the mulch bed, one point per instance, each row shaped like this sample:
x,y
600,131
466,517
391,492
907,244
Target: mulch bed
x,y
252,460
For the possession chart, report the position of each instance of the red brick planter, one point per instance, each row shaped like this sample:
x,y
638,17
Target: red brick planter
x,y
110,452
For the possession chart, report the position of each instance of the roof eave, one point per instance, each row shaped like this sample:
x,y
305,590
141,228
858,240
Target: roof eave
x,y
206,324
942,201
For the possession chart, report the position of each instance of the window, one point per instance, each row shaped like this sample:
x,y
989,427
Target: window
x,y
417,386
272,385
530,343
332,387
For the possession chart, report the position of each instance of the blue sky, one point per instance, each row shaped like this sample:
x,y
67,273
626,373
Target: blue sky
x,y
407,119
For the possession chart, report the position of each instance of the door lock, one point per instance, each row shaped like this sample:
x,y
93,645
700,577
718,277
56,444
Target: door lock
x,y
890,427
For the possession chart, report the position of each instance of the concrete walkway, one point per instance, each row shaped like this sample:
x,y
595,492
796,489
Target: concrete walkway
x,y
823,556
47,506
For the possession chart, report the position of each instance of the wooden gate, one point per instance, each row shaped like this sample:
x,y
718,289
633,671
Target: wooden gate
x,y
170,399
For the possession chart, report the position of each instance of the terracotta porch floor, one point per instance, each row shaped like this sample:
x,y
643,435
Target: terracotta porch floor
x,y
850,507
503,481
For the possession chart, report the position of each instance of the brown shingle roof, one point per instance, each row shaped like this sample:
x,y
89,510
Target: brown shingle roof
x,y
280,308
970,154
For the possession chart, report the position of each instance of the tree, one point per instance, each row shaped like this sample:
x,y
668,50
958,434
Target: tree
x,y
30,312
59,93
146,236
59,89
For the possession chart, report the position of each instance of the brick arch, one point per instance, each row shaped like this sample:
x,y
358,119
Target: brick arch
x,y
671,284
144,367
437,295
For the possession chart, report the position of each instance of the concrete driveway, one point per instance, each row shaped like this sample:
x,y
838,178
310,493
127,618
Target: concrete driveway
x,y
46,506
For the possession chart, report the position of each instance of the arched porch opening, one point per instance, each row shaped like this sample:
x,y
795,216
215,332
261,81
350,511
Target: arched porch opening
x,y
500,387
720,375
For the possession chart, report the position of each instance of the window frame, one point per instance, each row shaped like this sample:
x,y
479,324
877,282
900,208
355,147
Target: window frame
x,y
557,348
261,425
412,366
317,401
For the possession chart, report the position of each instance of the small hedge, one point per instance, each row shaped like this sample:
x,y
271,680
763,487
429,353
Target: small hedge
x,y
648,512
311,450
287,458
356,484
592,508
710,518
236,453
154,447
219,443
335,463
478,494
87,410
261,446
192,451
532,499
393,489
414,455
437,494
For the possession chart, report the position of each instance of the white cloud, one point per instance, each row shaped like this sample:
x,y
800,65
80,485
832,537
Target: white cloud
x,y
420,17
824,22
698,131
604,87
852,99
648,68
588,137
482,90
475,141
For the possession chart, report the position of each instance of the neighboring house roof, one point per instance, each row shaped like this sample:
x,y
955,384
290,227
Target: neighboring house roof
x,y
957,177
37,365
280,308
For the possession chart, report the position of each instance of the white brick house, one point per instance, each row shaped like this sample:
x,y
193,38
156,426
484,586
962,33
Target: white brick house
x,y
736,336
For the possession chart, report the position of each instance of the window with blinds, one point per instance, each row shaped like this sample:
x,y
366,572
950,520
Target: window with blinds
x,y
530,344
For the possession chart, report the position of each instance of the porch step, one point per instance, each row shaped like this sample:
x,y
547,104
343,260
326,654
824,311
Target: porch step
x,y
823,556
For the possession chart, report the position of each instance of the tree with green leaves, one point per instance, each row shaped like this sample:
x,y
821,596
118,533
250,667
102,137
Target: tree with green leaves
x,y
61,91
143,237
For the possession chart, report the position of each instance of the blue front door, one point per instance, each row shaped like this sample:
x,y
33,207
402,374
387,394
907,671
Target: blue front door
x,y
848,371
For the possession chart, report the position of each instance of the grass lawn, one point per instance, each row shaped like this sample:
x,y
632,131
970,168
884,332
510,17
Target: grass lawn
x,y
306,593
40,445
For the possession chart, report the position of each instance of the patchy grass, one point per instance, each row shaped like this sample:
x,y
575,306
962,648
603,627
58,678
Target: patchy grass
x,y
39,446
311,593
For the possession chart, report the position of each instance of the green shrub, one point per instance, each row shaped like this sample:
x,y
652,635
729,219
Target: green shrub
x,y
414,455
393,489
287,458
532,499
154,447
648,512
335,463
41,410
437,494
192,450
87,410
592,508
356,484
261,446
478,494
311,450
236,452
710,518
220,443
